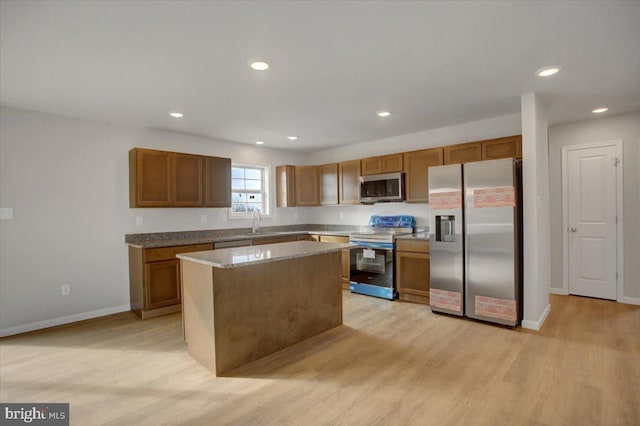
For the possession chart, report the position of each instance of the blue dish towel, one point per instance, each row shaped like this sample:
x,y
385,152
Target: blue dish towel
x,y
400,221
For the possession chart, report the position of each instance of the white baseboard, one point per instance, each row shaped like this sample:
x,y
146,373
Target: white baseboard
x,y
560,291
630,300
10,331
536,325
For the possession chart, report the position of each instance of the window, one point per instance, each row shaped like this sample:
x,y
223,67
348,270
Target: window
x,y
249,190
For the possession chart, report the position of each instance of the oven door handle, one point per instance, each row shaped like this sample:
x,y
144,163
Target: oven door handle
x,y
381,246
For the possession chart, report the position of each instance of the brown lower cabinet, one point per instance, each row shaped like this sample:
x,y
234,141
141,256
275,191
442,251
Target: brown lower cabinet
x,y
412,270
154,273
346,255
154,279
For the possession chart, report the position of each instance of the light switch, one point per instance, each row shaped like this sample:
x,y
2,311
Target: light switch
x,y
203,218
6,212
139,220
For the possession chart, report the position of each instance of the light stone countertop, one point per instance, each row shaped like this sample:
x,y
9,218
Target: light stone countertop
x,y
244,256
171,239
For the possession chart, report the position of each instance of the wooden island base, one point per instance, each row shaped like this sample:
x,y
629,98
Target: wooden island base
x,y
232,316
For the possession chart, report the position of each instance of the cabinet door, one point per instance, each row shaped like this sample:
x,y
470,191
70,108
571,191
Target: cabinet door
x,y
162,281
412,276
502,148
371,166
346,268
349,180
187,181
307,193
463,153
285,186
416,164
150,178
328,175
392,163
217,182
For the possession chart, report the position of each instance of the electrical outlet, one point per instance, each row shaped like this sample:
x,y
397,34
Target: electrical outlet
x,y
139,220
203,218
65,289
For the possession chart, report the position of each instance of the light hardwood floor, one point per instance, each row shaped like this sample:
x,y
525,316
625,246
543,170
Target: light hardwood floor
x,y
391,363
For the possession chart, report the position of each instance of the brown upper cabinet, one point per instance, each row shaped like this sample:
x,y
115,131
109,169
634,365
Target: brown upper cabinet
x,y
217,182
463,153
150,178
285,186
382,164
416,167
307,188
172,179
187,182
328,176
415,164
349,182
510,146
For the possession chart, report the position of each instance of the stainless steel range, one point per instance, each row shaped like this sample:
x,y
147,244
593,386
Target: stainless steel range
x,y
372,263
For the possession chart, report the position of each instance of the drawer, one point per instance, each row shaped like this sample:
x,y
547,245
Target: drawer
x,y
333,239
168,253
417,246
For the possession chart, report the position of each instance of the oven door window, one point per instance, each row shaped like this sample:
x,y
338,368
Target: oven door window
x,y
372,266
371,260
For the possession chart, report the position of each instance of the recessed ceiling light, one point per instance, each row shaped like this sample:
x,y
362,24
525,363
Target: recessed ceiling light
x,y
259,65
259,143
176,114
292,138
548,71
383,113
600,110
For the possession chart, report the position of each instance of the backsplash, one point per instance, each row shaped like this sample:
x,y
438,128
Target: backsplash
x,y
360,214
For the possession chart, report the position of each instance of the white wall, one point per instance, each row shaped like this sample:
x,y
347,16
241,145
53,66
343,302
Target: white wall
x,y
624,127
67,181
466,132
535,215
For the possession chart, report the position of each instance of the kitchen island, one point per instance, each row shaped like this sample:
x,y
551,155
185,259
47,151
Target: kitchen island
x,y
240,304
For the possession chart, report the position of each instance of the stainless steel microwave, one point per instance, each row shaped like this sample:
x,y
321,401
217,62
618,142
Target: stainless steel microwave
x,y
384,187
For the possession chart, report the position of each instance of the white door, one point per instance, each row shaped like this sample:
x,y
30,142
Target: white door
x,y
591,233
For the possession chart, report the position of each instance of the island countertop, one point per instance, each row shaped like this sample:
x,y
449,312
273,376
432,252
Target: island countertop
x,y
244,256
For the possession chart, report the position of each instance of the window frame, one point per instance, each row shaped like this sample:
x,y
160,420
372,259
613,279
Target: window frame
x,y
265,192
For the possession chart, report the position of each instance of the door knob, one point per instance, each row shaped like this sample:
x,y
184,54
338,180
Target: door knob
x,y
574,229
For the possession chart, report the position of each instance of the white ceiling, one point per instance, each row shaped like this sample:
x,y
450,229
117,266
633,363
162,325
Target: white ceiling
x,y
333,64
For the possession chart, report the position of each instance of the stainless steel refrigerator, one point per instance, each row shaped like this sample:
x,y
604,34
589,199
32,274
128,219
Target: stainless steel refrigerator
x,y
475,240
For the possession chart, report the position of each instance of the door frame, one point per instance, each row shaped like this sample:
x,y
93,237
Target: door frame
x,y
620,220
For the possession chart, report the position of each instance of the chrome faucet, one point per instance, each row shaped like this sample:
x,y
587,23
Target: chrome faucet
x,y
255,221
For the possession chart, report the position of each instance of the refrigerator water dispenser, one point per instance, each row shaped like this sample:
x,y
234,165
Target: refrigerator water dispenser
x,y
446,228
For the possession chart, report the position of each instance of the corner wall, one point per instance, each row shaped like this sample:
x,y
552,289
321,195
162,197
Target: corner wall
x,y
535,191
625,127
67,181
